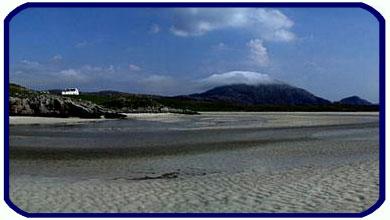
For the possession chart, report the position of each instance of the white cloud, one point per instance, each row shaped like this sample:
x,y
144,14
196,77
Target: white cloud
x,y
237,77
98,70
181,33
257,52
155,79
158,84
282,35
89,43
70,72
111,69
57,58
198,21
30,64
81,44
134,68
87,73
269,24
154,29
89,68
71,76
220,46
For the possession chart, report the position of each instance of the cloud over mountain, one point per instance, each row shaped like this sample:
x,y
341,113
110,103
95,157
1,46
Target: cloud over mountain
x,y
269,24
237,77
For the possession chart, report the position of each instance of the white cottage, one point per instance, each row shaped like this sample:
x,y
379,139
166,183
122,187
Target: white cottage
x,y
70,91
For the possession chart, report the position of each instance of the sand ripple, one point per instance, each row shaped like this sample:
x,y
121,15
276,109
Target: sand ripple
x,y
350,188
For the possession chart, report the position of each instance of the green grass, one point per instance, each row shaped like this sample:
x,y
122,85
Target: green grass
x,y
17,90
120,101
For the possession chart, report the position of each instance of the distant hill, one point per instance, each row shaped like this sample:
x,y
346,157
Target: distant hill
x,y
55,91
354,100
262,94
106,92
239,97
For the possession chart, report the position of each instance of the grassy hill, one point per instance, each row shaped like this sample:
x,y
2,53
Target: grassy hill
x,y
127,102
121,100
17,90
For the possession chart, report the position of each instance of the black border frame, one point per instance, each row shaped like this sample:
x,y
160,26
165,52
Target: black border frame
x,y
375,13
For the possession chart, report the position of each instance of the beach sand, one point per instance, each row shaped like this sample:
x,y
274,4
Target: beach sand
x,y
213,162
30,120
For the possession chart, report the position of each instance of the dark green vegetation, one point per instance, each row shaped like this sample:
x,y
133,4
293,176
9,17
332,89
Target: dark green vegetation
x,y
227,98
261,94
354,100
17,90
197,105
119,100
272,97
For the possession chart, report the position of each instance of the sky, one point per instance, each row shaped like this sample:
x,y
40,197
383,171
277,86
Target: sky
x,y
331,52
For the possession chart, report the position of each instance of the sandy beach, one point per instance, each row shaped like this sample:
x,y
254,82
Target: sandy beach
x,y
212,162
30,120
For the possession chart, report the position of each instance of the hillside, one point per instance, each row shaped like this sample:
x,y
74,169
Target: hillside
x,y
262,94
354,100
24,101
27,102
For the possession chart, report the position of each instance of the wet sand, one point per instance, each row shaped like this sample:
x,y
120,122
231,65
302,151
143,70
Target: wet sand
x,y
213,162
30,120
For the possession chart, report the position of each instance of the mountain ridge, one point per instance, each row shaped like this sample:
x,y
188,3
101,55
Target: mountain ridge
x,y
261,94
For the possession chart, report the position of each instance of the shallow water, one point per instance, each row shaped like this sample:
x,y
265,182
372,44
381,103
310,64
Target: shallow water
x,y
216,149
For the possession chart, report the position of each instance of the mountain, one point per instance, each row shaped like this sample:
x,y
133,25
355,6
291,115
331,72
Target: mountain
x,y
239,97
261,94
354,100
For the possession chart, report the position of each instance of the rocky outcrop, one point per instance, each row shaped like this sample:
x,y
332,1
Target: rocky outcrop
x,y
58,106
24,101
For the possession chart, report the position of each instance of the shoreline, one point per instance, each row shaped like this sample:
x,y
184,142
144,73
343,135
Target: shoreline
x,y
38,120
163,117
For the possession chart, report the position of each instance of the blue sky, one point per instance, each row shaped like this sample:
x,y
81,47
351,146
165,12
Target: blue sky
x,y
333,53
